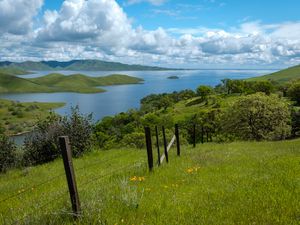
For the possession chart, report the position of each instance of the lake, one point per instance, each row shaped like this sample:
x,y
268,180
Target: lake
x,y
124,97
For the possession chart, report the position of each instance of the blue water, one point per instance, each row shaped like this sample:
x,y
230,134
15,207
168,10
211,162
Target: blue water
x,y
123,97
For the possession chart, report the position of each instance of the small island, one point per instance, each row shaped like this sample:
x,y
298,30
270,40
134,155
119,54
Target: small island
x,y
173,77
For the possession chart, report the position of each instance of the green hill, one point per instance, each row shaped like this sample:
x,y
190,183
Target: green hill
x,y
78,65
13,84
281,76
82,83
236,183
61,83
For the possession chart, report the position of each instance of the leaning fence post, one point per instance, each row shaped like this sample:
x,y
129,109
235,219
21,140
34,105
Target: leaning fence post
x,y
157,145
165,144
70,174
177,139
149,147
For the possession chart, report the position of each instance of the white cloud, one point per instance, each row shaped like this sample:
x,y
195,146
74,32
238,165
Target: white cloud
x,y
16,16
100,29
153,2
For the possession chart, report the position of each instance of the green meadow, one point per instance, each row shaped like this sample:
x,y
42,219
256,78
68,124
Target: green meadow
x,y
236,183
282,76
19,117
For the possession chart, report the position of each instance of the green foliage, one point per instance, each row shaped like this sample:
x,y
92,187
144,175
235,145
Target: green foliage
x,y
204,91
244,87
294,92
134,140
257,117
79,129
7,153
42,145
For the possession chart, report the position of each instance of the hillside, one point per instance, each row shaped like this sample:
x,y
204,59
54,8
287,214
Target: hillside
x,y
61,83
13,84
281,76
78,65
83,84
22,117
237,183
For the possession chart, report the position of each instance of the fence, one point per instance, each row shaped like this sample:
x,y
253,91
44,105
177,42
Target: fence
x,y
167,146
70,175
61,192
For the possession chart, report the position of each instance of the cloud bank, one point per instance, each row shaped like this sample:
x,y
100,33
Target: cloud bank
x,y
100,29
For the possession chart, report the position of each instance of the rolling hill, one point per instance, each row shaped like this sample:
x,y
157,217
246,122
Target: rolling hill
x,y
78,65
61,83
281,76
83,84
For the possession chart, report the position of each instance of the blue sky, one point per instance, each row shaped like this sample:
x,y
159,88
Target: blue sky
x,y
194,34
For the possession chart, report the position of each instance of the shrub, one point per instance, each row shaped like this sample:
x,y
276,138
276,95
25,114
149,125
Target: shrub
x,y
7,153
294,92
204,91
257,117
135,139
42,145
79,128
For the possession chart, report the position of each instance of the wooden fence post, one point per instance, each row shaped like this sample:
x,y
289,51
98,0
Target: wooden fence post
x,y
149,147
70,174
194,135
157,145
165,144
177,139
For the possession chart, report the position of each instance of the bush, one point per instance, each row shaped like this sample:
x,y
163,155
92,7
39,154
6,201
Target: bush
x,y
294,92
79,128
42,146
258,117
7,153
135,139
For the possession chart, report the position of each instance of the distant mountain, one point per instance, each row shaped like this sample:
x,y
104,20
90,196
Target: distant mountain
x,y
282,76
78,65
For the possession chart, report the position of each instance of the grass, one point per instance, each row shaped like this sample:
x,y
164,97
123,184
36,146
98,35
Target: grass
x,y
21,117
183,109
61,83
281,76
237,183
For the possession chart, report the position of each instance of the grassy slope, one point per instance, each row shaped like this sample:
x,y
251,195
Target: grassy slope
x,y
28,114
60,83
282,76
238,183
13,84
82,83
180,110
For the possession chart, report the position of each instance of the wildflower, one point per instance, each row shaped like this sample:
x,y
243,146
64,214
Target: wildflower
x,y
190,170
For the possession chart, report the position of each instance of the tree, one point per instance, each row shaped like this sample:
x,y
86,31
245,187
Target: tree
x,y
294,92
204,91
258,117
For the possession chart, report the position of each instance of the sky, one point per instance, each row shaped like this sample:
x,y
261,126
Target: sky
x,y
254,34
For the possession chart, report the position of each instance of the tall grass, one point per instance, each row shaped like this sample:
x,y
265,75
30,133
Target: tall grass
x,y
237,183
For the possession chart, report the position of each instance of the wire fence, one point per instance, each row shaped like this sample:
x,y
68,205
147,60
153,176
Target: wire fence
x,y
85,183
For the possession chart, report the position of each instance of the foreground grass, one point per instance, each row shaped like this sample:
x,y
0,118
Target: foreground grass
x,y
238,183
19,117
